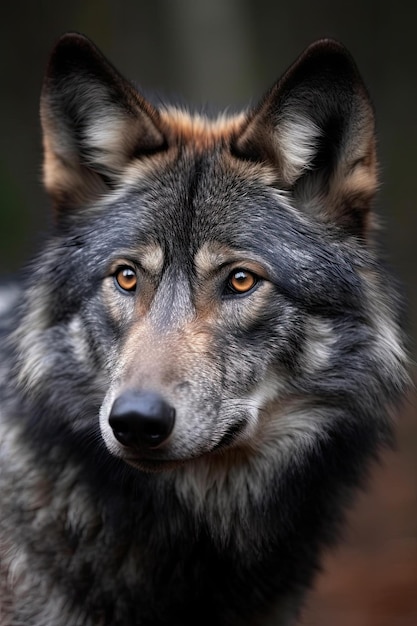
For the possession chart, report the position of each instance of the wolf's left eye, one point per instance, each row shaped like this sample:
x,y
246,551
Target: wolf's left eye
x,y
126,279
241,281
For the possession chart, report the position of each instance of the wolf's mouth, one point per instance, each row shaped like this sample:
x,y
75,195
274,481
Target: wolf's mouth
x,y
147,464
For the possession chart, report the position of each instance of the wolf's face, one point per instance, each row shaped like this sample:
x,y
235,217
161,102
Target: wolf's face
x,y
214,280
200,319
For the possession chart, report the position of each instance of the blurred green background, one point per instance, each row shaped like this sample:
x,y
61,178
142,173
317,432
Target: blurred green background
x,y
228,52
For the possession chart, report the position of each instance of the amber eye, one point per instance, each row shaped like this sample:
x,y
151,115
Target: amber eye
x,y
126,279
242,281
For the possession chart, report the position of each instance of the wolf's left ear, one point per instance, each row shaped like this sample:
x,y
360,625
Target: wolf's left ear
x,y
93,123
316,126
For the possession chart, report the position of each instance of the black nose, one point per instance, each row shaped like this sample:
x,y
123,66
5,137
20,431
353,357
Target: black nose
x,y
141,419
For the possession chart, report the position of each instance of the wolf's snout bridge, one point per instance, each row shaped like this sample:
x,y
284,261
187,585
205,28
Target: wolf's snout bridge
x,y
141,419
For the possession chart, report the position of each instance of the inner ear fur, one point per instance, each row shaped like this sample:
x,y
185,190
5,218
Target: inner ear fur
x,y
93,123
316,126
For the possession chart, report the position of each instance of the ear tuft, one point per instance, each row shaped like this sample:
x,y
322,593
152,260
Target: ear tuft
x,y
298,141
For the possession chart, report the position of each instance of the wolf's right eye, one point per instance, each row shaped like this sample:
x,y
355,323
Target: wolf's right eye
x,y
126,279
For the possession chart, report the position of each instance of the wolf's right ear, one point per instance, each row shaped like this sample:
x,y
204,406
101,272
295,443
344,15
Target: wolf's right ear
x,y
93,122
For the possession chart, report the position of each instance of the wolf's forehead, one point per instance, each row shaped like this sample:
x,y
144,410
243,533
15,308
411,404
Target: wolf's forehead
x,y
203,191
189,199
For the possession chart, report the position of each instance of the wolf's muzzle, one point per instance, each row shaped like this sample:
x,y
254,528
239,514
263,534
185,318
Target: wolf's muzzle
x,y
141,419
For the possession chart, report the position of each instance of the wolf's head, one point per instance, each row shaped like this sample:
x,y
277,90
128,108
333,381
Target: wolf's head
x,y
211,283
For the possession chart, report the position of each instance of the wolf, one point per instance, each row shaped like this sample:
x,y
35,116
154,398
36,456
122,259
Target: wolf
x,y
204,359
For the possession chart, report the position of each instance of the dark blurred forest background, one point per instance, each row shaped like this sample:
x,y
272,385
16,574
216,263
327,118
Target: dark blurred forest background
x,y
227,52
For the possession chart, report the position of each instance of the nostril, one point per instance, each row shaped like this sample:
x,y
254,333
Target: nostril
x,y
155,431
122,430
141,419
